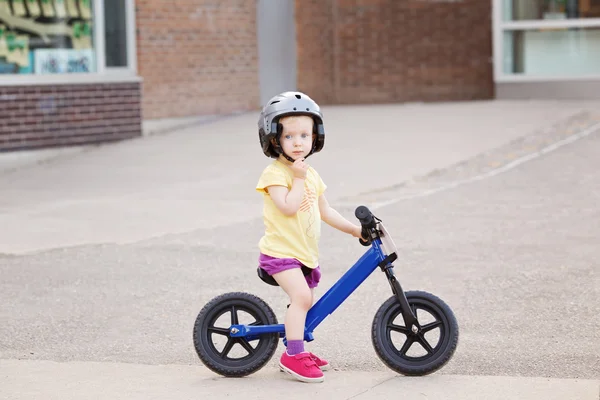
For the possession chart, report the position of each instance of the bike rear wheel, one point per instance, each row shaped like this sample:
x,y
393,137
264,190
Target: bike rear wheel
x,y
415,353
234,356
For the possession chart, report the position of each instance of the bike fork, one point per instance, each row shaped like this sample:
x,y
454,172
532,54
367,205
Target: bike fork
x,y
410,319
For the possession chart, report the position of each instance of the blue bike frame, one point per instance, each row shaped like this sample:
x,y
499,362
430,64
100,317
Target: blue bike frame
x,y
328,303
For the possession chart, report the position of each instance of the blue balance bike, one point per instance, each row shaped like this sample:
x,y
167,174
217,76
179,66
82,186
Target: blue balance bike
x,y
413,333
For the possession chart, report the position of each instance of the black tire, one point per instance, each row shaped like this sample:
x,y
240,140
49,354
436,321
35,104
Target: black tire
x,y
220,361
397,357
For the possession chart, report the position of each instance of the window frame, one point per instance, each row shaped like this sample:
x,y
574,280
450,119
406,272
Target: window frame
x,y
500,26
103,73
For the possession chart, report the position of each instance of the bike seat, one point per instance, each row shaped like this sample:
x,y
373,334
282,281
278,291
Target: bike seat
x,y
266,278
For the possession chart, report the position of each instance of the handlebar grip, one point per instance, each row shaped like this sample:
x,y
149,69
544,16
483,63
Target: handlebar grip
x,y
365,217
364,243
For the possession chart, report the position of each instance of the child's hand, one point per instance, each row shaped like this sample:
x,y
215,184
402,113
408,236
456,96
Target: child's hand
x,y
357,233
299,168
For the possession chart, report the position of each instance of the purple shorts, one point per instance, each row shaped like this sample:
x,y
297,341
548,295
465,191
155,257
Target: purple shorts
x,y
274,265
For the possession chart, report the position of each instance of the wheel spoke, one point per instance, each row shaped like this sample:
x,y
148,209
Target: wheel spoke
x,y
234,316
246,345
409,341
431,326
219,331
425,344
398,328
228,347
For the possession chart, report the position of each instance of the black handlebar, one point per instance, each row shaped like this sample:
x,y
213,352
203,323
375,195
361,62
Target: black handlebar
x,y
367,221
365,217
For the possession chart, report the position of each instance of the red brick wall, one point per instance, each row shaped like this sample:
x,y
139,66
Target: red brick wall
x,y
197,57
314,49
394,50
61,115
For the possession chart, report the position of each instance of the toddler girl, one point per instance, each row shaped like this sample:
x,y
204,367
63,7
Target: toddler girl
x,y
290,130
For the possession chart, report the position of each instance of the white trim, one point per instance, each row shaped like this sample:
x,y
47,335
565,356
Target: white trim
x,y
550,24
66,79
99,43
131,36
497,49
118,71
506,78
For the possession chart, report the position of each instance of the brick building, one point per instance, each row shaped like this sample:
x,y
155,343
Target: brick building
x,y
81,71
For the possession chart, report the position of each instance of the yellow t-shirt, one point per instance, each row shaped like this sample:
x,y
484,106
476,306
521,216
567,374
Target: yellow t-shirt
x,y
296,236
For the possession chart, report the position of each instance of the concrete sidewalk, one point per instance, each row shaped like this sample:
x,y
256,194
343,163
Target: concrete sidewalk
x,y
111,381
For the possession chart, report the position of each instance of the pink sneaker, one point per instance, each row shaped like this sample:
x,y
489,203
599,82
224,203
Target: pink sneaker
x,y
322,364
301,366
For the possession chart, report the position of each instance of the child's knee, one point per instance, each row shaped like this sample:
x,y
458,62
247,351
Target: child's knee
x,y
303,299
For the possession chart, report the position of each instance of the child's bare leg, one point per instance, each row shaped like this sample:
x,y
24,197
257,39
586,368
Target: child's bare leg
x,y
295,361
292,281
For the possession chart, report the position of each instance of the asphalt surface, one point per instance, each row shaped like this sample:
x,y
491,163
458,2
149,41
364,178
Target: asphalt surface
x,y
515,254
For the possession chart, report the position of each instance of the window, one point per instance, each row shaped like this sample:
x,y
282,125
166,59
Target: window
x,y
65,37
46,37
546,39
115,33
548,52
517,10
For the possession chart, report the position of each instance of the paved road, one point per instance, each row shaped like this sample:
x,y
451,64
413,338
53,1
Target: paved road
x,y
514,254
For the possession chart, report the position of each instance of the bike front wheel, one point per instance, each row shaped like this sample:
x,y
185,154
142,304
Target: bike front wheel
x,y
415,353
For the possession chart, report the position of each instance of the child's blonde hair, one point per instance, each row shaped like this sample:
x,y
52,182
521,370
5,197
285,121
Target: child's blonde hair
x,y
295,117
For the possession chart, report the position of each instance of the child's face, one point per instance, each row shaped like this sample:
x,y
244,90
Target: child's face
x,y
297,137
